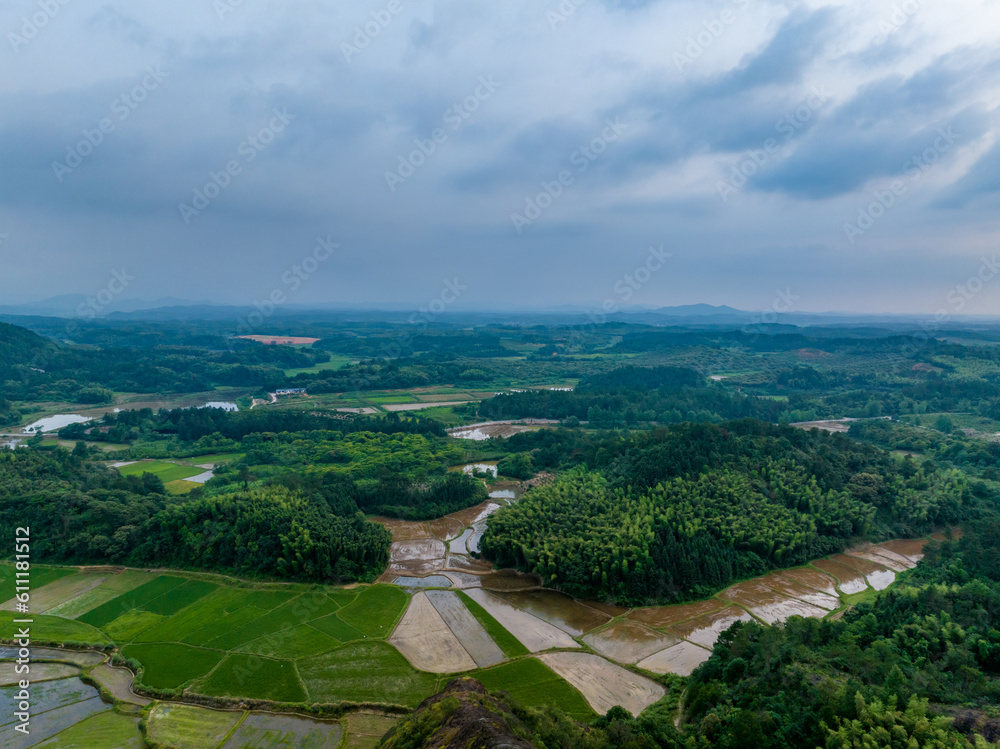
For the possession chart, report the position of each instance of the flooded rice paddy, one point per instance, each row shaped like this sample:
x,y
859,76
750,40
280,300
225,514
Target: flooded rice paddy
x,y
440,634
54,423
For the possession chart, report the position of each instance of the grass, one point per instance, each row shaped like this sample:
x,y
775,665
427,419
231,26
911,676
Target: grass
x,y
214,458
336,628
253,605
113,587
131,623
166,471
187,727
298,610
531,682
335,363
510,645
376,610
134,599
241,675
194,617
55,629
169,665
365,672
107,730
180,597
42,576
300,641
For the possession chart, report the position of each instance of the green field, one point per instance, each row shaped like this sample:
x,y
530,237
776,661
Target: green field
x,y
335,363
169,665
241,675
111,588
166,471
510,645
55,629
300,641
531,682
107,730
376,610
127,626
365,672
187,727
133,599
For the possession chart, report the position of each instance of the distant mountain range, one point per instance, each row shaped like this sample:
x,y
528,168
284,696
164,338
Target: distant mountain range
x,y
173,308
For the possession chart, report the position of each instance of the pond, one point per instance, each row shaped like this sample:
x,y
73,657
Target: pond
x,y
224,405
55,423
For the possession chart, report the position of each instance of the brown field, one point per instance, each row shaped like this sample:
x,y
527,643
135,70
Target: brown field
x,y
404,530
558,609
466,628
445,528
421,549
284,340
628,642
427,642
118,681
894,562
811,578
912,549
462,563
878,576
664,616
851,581
602,683
464,579
768,605
533,633
510,580
704,630
786,586
414,567
60,591
681,659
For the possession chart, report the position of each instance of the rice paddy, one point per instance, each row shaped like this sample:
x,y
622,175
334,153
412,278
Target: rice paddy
x,y
383,644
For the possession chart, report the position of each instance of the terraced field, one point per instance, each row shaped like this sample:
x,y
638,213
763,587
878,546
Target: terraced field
x,y
394,644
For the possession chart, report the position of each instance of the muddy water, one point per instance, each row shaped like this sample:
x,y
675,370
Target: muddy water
x,y
628,642
850,580
705,629
911,549
878,576
790,587
768,605
557,609
510,580
663,616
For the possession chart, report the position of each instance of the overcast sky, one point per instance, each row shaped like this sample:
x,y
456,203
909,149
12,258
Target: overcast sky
x,y
527,152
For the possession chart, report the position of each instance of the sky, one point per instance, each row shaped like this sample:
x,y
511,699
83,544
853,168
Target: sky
x,y
463,155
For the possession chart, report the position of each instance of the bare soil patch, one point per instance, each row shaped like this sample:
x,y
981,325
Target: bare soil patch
x,y
426,641
604,684
681,659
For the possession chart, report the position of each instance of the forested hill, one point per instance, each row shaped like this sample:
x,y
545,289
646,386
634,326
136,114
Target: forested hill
x,y
33,368
629,395
679,513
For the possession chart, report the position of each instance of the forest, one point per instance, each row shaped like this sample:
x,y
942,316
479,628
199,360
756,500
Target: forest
x,y
93,515
679,513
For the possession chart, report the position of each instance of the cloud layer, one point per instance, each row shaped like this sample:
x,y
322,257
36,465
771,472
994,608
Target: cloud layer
x,y
533,149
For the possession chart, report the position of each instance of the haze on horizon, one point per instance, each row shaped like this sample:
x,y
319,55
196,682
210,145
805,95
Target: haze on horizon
x,y
530,152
